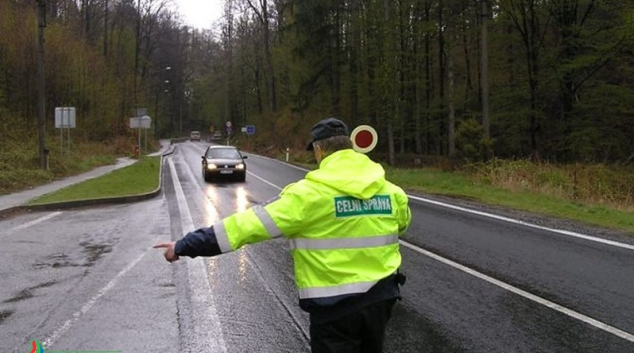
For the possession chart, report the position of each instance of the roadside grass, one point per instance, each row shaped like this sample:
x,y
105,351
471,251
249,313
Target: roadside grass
x,y
470,187
138,178
20,164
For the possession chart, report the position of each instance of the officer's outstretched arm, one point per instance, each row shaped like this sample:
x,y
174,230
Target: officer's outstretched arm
x,y
251,226
201,242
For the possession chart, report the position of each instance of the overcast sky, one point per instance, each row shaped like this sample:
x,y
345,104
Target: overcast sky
x,y
200,13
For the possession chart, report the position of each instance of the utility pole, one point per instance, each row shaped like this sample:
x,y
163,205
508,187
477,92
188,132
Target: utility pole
x,y
484,70
41,111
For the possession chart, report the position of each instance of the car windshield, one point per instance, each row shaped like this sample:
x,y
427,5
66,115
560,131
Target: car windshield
x,y
220,153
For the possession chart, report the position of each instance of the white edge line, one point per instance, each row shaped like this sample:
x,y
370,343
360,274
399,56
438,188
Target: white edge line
x,y
86,307
35,221
281,162
207,325
598,324
531,225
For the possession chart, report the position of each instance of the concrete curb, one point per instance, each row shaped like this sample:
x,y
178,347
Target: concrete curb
x,y
91,202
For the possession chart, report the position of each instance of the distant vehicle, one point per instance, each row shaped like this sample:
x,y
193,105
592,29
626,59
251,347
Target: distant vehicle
x,y
223,162
194,136
217,136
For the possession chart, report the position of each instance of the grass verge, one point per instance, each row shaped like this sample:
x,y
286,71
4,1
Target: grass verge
x,y
138,178
436,182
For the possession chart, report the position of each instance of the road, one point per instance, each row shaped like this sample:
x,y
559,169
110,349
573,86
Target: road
x,y
477,282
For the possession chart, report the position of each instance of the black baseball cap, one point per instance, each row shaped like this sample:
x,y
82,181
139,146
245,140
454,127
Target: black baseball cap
x,y
327,128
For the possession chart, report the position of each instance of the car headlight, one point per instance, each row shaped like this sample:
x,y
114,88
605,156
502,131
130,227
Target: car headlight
x,y
211,166
240,166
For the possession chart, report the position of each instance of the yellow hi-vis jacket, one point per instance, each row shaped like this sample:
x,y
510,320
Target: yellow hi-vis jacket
x,y
343,223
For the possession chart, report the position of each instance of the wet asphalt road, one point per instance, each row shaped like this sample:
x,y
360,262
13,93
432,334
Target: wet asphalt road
x,y
88,280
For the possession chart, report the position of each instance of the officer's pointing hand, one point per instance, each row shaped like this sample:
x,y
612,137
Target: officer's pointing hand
x,y
169,254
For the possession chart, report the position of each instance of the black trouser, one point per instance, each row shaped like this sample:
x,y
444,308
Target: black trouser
x,y
362,331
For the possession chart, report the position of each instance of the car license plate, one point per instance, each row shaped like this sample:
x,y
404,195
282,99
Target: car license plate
x,y
226,172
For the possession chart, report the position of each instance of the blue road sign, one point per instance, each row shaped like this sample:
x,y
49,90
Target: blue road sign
x,y
250,129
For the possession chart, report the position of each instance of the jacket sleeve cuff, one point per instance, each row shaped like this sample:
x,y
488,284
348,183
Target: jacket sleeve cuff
x,y
201,242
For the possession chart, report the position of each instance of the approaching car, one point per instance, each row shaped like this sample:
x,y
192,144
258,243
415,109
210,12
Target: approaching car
x,y
224,161
194,136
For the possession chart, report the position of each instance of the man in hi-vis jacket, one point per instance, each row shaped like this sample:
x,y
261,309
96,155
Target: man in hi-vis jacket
x,y
343,223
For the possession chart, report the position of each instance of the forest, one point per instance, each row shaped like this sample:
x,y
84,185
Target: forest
x,y
541,80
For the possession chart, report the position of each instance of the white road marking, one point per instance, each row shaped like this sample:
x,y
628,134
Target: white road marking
x,y
531,225
265,181
206,322
50,340
598,324
282,162
34,222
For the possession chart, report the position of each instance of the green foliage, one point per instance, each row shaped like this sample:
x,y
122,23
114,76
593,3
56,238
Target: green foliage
x,y
596,184
139,178
19,159
383,63
471,144
542,189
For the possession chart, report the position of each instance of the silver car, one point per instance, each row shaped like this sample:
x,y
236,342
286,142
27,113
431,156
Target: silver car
x,y
224,162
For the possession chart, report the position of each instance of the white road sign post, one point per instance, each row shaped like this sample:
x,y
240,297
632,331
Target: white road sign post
x,y
228,125
64,118
143,122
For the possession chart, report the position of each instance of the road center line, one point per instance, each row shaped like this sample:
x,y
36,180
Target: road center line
x,y
264,181
206,322
598,324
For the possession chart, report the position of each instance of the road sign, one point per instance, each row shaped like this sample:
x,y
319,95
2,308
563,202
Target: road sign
x,y
141,112
144,122
250,129
364,138
64,117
